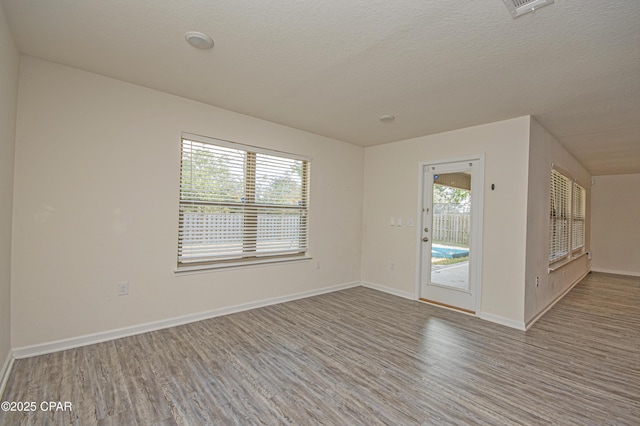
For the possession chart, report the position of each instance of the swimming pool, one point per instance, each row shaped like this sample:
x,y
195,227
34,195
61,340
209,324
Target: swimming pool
x,y
444,252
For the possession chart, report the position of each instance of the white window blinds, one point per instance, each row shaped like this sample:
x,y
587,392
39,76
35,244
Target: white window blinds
x,y
578,216
559,225
567,217
239,203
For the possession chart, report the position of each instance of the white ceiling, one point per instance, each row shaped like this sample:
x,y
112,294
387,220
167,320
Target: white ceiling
x,y
332,67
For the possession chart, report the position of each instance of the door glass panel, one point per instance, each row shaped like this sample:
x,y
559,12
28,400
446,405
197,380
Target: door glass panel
x,y
451,230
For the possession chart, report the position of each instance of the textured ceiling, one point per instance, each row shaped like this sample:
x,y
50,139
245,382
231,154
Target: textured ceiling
x,y
333,67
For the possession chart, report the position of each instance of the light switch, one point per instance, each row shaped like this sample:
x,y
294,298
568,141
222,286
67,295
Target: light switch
x,y
399,221
393,221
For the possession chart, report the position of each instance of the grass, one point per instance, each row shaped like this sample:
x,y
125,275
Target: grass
x,y
444,261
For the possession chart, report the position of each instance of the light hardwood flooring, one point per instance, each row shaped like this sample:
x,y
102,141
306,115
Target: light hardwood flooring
x,y
356,357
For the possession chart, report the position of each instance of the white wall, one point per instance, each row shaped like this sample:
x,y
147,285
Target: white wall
x,y
96,203
615,224
545,150
9,62
391,189
96,197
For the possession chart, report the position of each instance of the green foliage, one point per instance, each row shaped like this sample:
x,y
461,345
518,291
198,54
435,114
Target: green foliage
x,y
209,175
211,179
280,188
448,195
449,261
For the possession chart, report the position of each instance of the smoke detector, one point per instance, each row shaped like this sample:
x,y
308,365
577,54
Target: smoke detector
x,y
198,40
521,7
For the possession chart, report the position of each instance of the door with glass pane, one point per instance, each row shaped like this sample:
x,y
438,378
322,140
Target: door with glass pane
x,y
449,272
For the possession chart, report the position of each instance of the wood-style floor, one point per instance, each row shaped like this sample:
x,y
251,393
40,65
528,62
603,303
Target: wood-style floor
x,y
356,357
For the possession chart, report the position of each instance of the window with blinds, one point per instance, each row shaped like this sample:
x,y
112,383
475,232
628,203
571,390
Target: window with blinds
x,y
560,214
578,216
240,204
567,217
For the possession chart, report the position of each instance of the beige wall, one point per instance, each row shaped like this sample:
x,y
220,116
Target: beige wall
x,y
96,203
9,61
615,224
391,189
545,150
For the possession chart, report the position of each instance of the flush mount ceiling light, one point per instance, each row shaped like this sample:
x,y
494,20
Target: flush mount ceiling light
x,y
199,40
386,118
520,7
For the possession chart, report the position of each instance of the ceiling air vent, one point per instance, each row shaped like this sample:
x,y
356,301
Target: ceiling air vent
x,y
520,7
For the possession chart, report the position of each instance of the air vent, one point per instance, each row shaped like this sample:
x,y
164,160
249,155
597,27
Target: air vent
x,y
521,7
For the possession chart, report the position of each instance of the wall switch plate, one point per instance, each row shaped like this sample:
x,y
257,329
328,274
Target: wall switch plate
x,y
399,222
409,222
392,222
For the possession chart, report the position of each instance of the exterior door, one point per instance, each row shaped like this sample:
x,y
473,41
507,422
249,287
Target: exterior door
x,y
450,234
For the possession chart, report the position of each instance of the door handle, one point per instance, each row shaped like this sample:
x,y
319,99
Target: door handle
x,y
425,239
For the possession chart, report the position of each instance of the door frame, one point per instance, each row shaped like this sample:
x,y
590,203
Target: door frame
x,y
475,268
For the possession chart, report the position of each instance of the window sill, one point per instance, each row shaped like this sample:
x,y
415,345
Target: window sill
x,y
188,270
564,262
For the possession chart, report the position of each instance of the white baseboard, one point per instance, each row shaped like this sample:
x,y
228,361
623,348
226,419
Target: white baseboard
x,y
388,290
518,325
89,339
616,272
556,300
5,372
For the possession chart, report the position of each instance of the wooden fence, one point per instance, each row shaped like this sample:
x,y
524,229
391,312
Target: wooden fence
x,y
451,228
203,228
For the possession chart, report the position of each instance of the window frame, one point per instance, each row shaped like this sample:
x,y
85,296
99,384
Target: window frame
x,y
250,254
578,196
559,216
570,194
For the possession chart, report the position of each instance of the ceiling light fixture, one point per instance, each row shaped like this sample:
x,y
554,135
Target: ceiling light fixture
x,y
387,118
199,40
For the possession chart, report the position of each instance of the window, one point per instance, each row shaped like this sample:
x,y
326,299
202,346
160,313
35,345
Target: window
x,y
240,204
560,210
578,217
567,217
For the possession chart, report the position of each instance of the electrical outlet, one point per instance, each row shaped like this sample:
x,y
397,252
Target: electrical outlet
x,y
123,288
318,265
537,281
392,266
